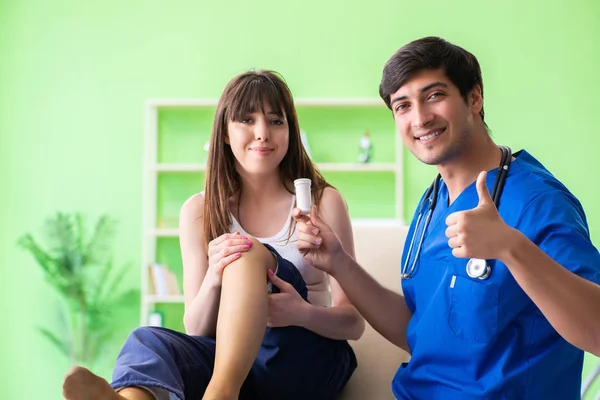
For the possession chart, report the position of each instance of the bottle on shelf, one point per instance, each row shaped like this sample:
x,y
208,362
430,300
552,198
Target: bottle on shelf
x,y
365,148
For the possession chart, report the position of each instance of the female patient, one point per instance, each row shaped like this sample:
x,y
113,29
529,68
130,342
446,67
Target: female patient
x,y
238,243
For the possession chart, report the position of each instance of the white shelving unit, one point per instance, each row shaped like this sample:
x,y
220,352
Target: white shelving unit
x,y
152,169
372,167
152,299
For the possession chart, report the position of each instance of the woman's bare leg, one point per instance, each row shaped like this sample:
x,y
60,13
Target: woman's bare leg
x,y
241,322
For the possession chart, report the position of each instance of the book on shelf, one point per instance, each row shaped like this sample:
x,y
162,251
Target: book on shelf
x,y
162,281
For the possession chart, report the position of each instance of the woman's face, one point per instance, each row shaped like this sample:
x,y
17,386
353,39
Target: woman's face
x,y
259,141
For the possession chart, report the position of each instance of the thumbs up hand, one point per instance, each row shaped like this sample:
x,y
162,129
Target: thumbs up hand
x,y
479,232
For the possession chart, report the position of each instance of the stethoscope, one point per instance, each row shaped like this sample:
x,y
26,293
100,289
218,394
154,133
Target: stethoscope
x,y
476,268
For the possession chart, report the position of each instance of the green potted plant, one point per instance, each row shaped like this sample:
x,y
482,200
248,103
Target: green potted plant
x,y
79,266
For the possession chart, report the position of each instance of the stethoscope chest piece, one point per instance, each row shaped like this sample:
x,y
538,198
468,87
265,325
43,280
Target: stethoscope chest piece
x,y
478,268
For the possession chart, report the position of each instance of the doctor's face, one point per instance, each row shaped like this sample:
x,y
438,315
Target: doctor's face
x,y
433,118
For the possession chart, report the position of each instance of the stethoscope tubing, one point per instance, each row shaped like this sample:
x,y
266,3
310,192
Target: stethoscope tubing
x,y
432,194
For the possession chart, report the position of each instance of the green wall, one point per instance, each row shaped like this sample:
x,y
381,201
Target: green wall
x,y
74,77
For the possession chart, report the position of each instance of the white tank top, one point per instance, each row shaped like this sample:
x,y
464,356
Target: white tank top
x,y
316,280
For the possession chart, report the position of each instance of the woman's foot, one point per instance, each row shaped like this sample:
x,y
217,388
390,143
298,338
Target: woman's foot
x,y
81,384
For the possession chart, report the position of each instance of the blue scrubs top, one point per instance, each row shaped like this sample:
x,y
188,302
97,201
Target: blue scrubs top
x,y
472,338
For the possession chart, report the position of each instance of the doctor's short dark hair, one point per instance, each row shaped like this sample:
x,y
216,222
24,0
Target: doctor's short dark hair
x,y
461,67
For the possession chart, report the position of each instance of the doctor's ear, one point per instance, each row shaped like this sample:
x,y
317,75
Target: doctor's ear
x,y
475,99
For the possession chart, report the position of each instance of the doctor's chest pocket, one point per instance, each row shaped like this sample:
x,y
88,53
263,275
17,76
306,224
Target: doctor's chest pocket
x,y
473,313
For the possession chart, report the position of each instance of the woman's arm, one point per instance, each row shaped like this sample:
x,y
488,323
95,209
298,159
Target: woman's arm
x,y
342,320
201,295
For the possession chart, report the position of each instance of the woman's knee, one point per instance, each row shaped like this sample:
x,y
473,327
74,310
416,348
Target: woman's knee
x,y
258,256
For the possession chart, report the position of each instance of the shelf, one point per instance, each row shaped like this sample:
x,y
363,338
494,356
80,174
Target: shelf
x,y
349,167
164,299
307,102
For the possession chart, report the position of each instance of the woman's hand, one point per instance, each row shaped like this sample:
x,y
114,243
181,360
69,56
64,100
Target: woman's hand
x,y
286,308
222,251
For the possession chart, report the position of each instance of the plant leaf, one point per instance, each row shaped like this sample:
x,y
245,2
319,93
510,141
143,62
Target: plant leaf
x,y
63,346
80,236
101,241
103,282
62,242
50,265
115,283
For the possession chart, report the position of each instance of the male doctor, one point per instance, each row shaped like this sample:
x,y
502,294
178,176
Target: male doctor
x,y
516,324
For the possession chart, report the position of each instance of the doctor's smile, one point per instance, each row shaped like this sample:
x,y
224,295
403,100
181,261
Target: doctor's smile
x,y
430,136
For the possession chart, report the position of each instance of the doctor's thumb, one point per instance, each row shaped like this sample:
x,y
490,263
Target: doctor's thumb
x,y
482,190
299,216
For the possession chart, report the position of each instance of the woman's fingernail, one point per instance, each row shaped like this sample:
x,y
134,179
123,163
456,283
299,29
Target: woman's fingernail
x,y
315,231
318,240
245,247
244,237
249,244
270,272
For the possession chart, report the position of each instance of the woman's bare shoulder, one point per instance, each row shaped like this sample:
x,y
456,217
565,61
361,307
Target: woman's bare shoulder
x,y
332,199
193,207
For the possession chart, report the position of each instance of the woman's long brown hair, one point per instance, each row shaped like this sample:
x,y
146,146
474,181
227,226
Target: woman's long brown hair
x,y
248,93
